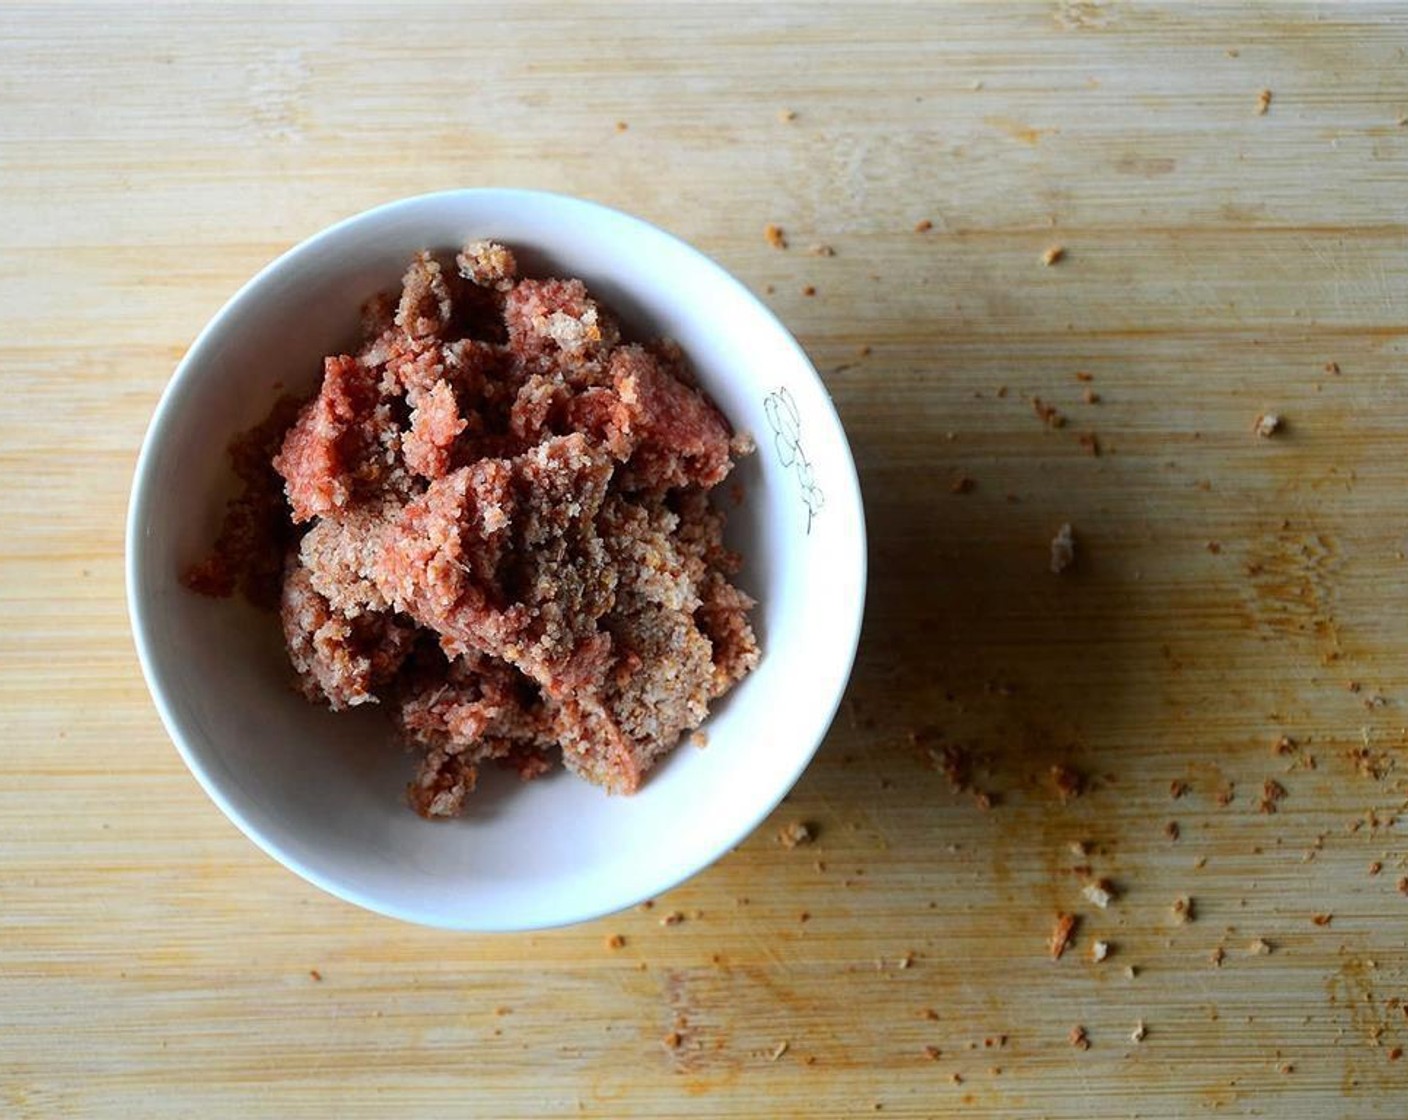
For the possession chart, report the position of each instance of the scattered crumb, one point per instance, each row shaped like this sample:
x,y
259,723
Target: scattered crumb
x,y
1079,848
1217,956
924,225
1130,972
775,236
1048,414
1099,951
621,126
1061,934
673,918
1375,867
1403,884
778,1050
1272,794
648,904
1286,1068
1001,392
1177,788
822,251
933,1053
1068,781
1140,1032
1226,795
931,1015
1263,102
1395,1053
1267,425
1171,830
1322,919
795,833
1183,910
956,1078
1090,443
787,116
1084,375
1078,1038
809,290
1090,396
1332,368
1063,549
1100,893
1260,947
315,974
1283,746
905,961
1053,255
672,1040
615,941
699,739
862,351
963,484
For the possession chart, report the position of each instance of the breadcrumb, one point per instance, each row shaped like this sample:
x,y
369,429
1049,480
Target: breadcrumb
x,y
1267,425
1260,947
1272,794
1140,1032
1322,919
822,251
1048,414
615,941
1061,934
1099,951
1100,893
673,918
1068,781
1063,549
1078,1038
673,1040
1183,910
787,116
778,1050
1053,255
924,225
775,236
1263,102
1177,788
795,833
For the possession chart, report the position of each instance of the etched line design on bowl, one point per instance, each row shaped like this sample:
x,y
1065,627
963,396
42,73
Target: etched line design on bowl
x,y
785,419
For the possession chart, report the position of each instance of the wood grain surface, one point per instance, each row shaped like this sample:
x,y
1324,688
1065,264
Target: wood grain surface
x,y
1228,591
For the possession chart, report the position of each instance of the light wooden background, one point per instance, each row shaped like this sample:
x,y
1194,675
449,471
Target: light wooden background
x,y
1229,590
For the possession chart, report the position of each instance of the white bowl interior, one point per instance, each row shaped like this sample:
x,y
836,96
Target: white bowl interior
x,y
323,793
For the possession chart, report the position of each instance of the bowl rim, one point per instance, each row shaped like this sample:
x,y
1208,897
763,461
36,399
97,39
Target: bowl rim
x,y
143,493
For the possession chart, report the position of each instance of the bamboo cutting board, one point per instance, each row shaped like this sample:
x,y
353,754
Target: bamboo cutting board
x,y
1011,736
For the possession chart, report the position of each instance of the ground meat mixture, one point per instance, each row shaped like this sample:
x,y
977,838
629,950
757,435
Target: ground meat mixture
x,y
495,519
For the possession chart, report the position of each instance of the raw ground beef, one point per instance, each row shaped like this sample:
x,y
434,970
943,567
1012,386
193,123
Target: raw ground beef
x,y
495,519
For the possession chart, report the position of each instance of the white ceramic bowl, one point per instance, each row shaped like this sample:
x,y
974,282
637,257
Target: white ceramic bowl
x,y
323,793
